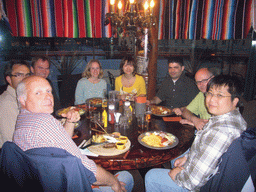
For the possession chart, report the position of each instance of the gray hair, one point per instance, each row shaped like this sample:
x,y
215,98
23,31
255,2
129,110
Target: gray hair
x,y
21,91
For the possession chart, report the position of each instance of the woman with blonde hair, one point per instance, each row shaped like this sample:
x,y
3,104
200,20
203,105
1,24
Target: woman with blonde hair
x,y
91,85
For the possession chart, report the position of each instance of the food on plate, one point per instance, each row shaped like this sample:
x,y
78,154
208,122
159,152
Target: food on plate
x,y
123,139
158,139
120,145
95,101
109,145
116,134
65,110
98,139
160,110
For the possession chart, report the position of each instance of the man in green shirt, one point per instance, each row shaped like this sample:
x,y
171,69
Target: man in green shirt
x,y
196,113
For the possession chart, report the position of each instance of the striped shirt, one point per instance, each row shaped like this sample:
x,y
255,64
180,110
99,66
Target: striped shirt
x,y
36,130
208,146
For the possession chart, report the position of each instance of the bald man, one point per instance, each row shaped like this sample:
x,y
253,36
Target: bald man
x,y
196,113
36,101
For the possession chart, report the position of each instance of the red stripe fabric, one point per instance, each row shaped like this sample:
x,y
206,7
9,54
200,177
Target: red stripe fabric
x,y
65,16
12,16
59,18
81,18
20,17
70,18
92,17
98,22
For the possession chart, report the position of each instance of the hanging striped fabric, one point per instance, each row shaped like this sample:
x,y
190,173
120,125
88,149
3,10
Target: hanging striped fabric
x,y
178,19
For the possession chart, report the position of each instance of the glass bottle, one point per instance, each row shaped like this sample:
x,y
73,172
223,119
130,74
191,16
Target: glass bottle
x,y
128,110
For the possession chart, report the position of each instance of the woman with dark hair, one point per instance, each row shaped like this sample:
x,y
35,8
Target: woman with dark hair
x,y
91,85
129,82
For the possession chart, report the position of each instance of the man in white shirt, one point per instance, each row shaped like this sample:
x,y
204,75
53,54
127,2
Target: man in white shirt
x,y
15,72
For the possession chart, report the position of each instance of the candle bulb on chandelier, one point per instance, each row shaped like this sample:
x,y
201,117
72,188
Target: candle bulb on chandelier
x,y
132,5
146,6
119,5
112,3
152,4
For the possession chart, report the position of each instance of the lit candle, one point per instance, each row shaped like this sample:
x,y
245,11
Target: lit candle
x,y
152,4
112,3
120,8
146,6
132,5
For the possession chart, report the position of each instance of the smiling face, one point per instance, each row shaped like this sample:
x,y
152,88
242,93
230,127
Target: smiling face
x,y
202,77
175,70
19,72
39,95
95,70
128,68
218,100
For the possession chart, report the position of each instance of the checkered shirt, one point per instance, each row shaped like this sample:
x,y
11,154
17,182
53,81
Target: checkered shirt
x,y
36,130
208,146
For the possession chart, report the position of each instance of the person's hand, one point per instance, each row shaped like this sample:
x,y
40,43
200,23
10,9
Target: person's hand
x,y
119,187
147,102
177,111
200,123
72,116
174,172
180,162
185,121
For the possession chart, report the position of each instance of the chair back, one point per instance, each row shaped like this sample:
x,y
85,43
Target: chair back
x,y
43,169
234,165
111,80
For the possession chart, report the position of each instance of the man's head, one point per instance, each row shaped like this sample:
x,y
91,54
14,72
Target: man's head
x,y
40,66
223,93
175,68
35,95
202,77
16,71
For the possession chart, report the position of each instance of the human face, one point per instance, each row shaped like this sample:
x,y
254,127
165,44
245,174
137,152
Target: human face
x,y
39,96
175,70
218,100
41,68
202,77
128,68
19,72
95,70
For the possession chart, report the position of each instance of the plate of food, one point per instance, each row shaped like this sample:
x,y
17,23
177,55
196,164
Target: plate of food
x,y
110,145
158,140
65,110
95,101
161,111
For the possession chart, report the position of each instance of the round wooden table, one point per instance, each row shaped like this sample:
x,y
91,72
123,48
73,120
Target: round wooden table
x,y
139,156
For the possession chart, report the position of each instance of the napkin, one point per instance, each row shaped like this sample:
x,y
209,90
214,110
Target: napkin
x,y
171,118
87,152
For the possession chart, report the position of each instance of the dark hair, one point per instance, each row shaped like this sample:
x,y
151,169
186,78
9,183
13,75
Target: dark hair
x,y
35,59
176,60
235,87
9,67
130,61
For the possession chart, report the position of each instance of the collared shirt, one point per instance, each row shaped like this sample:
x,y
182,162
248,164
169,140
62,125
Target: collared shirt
x,y
208,146
197,106
36,130
9,111
178,94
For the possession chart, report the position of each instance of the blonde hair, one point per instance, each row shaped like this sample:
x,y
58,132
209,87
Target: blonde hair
x,y
87,72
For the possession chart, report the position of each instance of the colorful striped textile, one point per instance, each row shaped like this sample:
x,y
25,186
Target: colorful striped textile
x,y
178,19
206,19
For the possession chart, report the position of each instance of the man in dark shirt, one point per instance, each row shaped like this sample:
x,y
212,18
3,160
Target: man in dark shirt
x,y
41,67
177,90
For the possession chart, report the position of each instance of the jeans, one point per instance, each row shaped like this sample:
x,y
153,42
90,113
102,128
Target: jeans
x,y
123,176
158,180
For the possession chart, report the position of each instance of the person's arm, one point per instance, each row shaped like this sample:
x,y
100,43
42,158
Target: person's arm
x,y
79,98
198,123
72,117
156,100
105,178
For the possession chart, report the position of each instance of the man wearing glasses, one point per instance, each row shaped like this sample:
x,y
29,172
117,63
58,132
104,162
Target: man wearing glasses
x,y
15,72
196,113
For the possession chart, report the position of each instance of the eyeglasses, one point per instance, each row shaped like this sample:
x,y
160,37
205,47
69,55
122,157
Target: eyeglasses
x,y
21,75
203,81
218,96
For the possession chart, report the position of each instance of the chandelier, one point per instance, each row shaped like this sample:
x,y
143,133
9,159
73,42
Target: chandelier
x,y
131,22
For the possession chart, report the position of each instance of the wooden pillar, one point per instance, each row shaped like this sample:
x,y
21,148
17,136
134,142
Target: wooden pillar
x,y
153,55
